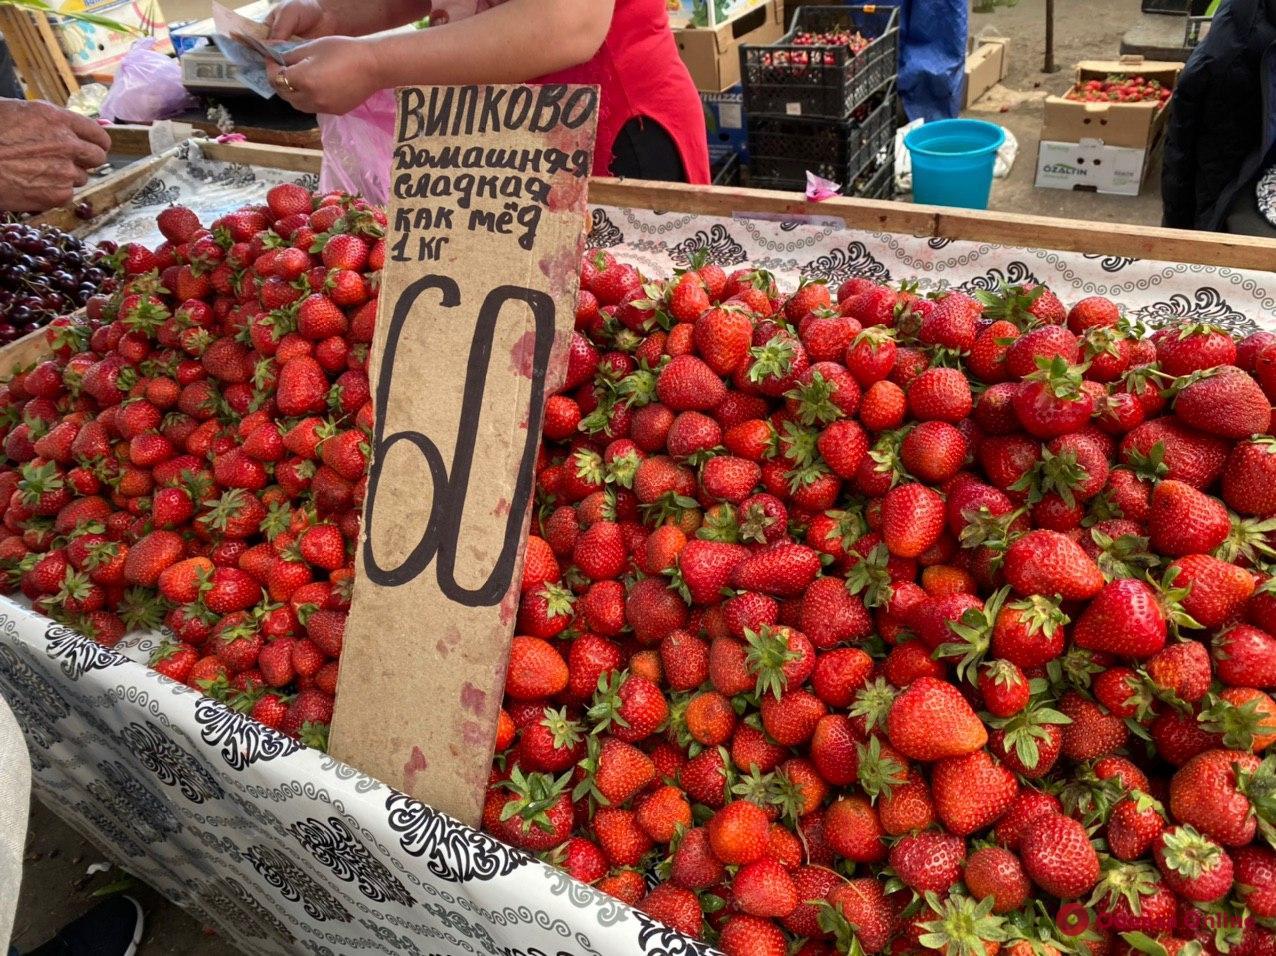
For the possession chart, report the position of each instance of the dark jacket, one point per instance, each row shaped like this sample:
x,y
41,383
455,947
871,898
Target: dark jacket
x,y
1222,125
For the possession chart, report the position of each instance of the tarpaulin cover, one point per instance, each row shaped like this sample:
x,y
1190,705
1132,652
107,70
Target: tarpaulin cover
x,y
932,57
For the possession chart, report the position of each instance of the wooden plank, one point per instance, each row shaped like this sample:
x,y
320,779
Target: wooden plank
x,y
261,154
62,67
129,139
105,194
1141,242
23,353
1033,232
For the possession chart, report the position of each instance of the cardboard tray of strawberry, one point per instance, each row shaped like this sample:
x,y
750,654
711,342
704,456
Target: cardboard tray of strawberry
x,y
899,703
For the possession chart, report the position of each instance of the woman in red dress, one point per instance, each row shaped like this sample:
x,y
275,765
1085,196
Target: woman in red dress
x,y
650,123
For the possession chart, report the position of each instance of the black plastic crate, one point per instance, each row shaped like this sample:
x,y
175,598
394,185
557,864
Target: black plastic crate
x,y
726,171
829,82
782,150
875,182
878,183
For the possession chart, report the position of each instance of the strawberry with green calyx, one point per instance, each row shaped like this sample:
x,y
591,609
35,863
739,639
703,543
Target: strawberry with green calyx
x,y
1228,795
961,927
779,658
870,577
1223,400
873,703
1125,556
973,637
1245,718
1015,304
1130,618
1053,402
631,707
1060,475
553,744
536,814
1135,823
1030,740
1247,544
1192,865
879,772
1133,897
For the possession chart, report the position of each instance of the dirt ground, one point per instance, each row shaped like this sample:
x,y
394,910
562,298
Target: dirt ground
x,y
56,887
1084,30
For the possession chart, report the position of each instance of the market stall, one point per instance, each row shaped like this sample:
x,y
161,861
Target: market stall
x,y
285,850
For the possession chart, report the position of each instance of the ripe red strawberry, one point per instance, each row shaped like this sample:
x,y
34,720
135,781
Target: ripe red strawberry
x,y
929,861
174,660
1125,618
940,394
1225,401
536,669
1058,856
1091,731
687,383
1216,590
1206,794
1046,563
930,720
1193,346
971,792
1249,478
723,336
996,872
912,519
1183,520
1184,454
739,833
1193,866
783,570
1091,312
178,224
1245,656
302,388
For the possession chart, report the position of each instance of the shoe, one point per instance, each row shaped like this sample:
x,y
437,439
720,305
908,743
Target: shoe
x,y
112,928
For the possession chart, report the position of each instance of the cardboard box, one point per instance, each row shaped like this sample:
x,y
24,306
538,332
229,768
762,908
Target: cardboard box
x,y
94,50
708,13
724,121
712,54
1133,125
987,62
1091,166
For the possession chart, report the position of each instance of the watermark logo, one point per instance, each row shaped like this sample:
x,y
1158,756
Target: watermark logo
x,y
1073,919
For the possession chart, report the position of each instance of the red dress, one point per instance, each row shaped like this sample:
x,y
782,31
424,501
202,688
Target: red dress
x,y
641,74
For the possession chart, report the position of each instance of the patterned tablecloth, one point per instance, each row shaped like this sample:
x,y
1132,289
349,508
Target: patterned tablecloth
x,y
285,850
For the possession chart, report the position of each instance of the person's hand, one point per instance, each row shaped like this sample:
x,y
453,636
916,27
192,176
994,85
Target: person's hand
x,y
328,75
300,18
45,154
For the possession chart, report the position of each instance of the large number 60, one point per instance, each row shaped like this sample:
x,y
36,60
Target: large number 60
x,y
442,531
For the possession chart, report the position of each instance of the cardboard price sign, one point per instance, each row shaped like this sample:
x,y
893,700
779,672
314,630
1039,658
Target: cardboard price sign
x,y
477,300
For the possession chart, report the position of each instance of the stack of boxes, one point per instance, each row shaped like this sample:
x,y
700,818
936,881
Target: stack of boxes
x,y
824,109
712,56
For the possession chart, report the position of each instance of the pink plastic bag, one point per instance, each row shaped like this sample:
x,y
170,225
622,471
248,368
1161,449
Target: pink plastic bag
x,y
357,148
147,87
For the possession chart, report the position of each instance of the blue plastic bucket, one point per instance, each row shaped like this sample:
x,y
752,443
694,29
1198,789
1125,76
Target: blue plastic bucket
x,y
953,161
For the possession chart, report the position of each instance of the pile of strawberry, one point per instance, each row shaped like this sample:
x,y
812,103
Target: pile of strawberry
x,y
194,454
852,620
855,622
1120,89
